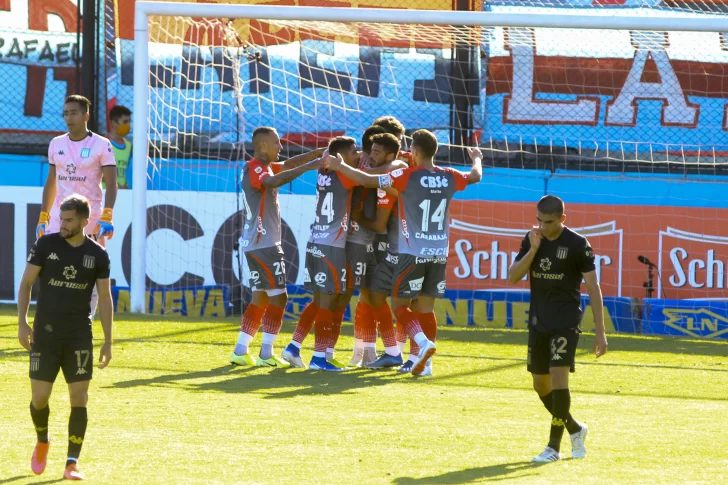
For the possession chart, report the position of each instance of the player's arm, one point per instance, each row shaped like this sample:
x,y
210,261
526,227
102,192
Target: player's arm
x,y
529,248
49,195
287,176
299,160
360,178
597,304
476,172
105,225
106,312
25,332
378,225
386,168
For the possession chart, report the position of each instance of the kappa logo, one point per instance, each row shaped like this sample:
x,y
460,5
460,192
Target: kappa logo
x,y
357,280
545,264
81,371
53,256
255,276
306,276
416,285
562,252
320,278
85,152
71,168
557,422
60,153
69,272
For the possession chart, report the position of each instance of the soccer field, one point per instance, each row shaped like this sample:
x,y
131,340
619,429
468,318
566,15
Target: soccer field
x,y
170,409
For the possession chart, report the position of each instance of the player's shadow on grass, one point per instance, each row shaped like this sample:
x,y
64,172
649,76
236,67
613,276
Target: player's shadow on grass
x,y
15,479
493,472
279,383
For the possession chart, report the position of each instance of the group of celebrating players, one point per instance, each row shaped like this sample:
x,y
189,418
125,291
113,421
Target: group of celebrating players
x,y
380,228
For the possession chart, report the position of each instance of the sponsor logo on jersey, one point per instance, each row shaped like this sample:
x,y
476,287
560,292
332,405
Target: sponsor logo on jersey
x,y
370,248
320,278
383,245
392,258
306,276
85,152
258,169
53,256
397,173
89,262
255,276
433,181
324,180
545,264
405,233
357,280
260,227
69,272
71,168
280,280
416,285
315,252
441,286
48,328
562,252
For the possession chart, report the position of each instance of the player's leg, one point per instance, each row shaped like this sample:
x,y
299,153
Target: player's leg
x,y
45,362
538,364
365,313
433,287
274,310
563,353
77,365
341,305
414,349
292,353
424,310
380,288
323,331
329,278
260,275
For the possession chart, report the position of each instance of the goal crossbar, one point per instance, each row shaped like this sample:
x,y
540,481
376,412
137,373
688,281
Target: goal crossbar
x,y
622,19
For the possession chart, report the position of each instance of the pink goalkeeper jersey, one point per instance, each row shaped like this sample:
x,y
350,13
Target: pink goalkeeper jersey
x,y
78,169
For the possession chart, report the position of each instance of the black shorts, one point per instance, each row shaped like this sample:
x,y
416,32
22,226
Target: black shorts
x,y
325,269
419,276
360,263
384,275
74,356
381,247
554,349
267,268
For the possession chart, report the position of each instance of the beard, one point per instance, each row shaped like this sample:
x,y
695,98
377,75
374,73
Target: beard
x,y
70,233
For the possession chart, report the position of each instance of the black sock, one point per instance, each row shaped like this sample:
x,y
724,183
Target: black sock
x,y
40,421
76,431
572,426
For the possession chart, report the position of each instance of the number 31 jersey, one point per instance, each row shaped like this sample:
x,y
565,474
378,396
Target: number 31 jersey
x,y
424,208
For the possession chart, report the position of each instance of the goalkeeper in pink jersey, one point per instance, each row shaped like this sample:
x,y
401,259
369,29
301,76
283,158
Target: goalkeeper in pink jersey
x,y
79,161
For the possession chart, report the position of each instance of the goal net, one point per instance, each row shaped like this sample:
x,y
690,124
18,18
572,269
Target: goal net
x,y
626,124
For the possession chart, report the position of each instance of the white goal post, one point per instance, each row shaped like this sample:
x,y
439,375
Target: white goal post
x,y
624,19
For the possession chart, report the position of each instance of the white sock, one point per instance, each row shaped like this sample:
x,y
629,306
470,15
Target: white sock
x,y
400,346
359,344
269,338
243,341
420,339
393,351
412,357
295,344
319,354
370,345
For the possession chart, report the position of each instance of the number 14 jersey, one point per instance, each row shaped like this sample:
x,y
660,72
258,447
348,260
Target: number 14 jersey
x,y
333,205
424,208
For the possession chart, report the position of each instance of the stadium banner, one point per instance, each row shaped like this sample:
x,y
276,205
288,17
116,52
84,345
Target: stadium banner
x,y
192,240
692,318
546,89
201,301
491,309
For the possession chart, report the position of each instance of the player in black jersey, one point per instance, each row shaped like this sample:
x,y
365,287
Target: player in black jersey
x,y
556,260
68,264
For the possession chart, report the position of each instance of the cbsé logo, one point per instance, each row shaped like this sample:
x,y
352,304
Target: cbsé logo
x,y
433,181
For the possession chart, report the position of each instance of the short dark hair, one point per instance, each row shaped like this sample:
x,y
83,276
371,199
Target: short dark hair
x,y
550,204
118,111
82,101
391,125
388,141
77,203
340,143
426,142
263,130
366,138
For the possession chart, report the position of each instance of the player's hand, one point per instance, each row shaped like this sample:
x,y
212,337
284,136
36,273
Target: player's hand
x,y
42,227
535,237
105,226
474,153
600,344
25,334
335,161
104,355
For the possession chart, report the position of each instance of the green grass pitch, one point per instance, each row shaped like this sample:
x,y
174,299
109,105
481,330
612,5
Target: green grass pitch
x,y
170,409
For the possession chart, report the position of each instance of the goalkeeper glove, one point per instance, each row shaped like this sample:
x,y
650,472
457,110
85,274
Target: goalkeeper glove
x,y
105,228
42,227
